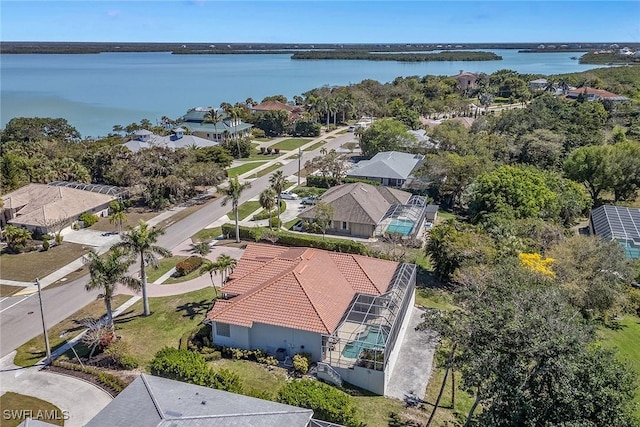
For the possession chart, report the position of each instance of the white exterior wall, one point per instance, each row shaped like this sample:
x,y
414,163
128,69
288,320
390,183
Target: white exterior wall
x,y
270,338
239,337
369,379
393,357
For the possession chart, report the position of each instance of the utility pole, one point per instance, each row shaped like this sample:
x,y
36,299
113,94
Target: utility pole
x,y
44,327
299,162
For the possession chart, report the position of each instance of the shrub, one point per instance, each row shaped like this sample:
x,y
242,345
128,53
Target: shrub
x,y
188,265
327,403
45,243
300,364
306,128
88,219
258,133
104,377
269,150
276,150
117,352
191,367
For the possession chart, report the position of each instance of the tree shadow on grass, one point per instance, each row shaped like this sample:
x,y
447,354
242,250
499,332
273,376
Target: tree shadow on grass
x,y
194,309
127,317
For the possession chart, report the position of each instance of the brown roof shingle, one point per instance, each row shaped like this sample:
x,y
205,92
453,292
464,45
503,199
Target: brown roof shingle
x,y
299,288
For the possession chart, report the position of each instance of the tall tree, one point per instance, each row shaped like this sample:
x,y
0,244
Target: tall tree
x,y
591,166
268,202
107,272
232,194
278,184
213,268
385,135
141,241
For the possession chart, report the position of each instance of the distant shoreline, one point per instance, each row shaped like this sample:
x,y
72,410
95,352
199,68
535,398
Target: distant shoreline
x,y
13,47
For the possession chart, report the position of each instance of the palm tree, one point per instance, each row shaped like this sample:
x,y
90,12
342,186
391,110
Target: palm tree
x,y
278,183
267,201
212,268
213,116
226,264
232,194
118,217
107,272
141,241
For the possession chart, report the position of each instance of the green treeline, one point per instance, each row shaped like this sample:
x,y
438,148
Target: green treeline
x,y
608,58
402,57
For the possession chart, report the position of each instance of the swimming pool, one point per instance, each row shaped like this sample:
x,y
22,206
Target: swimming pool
x,y
402,226
370,340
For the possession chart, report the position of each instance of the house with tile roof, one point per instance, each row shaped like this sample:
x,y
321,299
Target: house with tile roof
x,y
146,139
466,81
592,94
294,111
226,128
365,210
347,311
389,168
42,208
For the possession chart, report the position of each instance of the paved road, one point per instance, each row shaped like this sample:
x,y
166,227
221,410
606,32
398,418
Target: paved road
x,y
20,316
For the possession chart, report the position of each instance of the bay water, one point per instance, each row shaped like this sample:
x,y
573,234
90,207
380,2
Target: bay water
x,y
94,92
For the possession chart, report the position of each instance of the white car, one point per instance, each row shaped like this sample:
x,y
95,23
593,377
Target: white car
x,y
285,195
311,200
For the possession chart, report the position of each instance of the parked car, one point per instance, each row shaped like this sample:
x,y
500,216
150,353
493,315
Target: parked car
x,y
311,200
285,195
299,226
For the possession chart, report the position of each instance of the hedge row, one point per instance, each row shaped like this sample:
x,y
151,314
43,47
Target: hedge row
x,y
188,265
321,182
286,238
104,377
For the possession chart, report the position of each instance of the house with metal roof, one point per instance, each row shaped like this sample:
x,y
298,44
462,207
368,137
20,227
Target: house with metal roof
x,y
389,168
146,139
226,128
619,223
349,312
43,208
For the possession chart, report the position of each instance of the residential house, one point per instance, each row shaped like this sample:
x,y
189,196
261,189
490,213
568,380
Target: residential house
x,y
466,81
389,168
618,223
294,111
42,208
146,139
365,210
591,94
226,128
349,312
151,401
538,84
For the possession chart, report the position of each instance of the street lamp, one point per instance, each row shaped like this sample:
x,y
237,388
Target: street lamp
x,y
299,162
44,327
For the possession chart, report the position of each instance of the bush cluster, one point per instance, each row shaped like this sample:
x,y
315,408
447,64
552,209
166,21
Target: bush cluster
x,y
188,265
88,219
328,403
118,353
299,240
104,377
321,182
300,364
265,214
253,355
191,367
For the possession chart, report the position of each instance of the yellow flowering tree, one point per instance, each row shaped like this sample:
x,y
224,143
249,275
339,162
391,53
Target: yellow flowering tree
x,y
536,263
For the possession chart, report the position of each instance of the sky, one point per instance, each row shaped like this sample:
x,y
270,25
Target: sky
x,y
309,21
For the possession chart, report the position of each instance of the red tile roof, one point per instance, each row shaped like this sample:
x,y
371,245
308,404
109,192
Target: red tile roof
x,y
299,288
592,91
276,105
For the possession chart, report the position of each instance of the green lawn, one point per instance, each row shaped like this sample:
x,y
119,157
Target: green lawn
x,y
256,155
268,170
245,209
291,223
244,168
173,280
291,144
255,376
316,145
303,191
7,290
626,339
24,405
434,298
33,350
41,264
446,414
206,234
164,265
132,220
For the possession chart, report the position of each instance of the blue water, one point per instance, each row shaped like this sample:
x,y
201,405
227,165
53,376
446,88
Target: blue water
x,y
370,340
402,226
96,91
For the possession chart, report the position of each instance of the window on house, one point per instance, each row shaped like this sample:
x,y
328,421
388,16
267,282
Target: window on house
x,y
344,225
223,329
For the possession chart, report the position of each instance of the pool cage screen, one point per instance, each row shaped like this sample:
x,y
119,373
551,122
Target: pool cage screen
x,y
405,219
368,332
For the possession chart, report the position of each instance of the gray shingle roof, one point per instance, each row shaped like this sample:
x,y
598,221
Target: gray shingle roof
x,y
158,402
359,202
170,141
388,164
